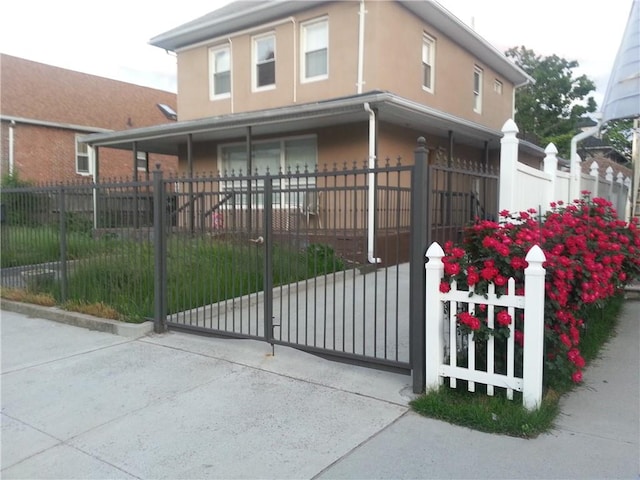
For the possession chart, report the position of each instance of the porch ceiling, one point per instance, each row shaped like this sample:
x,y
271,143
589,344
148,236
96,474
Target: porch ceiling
x,y
167,138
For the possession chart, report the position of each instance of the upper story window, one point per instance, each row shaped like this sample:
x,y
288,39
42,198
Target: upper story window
x,y
220,72
315,50
264,59
83,158
477,89
428,62
497,86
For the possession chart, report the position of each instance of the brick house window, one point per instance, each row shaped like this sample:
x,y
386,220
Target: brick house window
x,y
142,161
264,55
477,89
428,63
83,157
497,86
315,50
220,72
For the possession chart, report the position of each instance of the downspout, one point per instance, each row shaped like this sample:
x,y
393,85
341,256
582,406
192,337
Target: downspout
x,y
574,186
295,60
231,72
12,127
361,15
371,214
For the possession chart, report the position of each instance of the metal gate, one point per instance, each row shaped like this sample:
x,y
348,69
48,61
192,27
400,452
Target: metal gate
x,y
293,259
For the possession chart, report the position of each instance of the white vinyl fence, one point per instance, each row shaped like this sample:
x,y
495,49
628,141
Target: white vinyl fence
x,y
523,187
444,342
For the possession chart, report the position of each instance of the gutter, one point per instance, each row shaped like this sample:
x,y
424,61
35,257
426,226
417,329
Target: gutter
x,y
575,159
371,199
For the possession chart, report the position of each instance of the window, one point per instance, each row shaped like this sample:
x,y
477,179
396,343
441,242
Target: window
x,y
497,87
315,50
83,158
220,65
264,54
428,56
282,155
142,161
477,89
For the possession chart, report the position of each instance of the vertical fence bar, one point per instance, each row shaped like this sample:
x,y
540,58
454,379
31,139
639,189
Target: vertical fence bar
x,y
63,247
160,264
420,227
533,329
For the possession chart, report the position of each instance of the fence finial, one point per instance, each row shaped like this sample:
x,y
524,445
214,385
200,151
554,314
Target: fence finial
x,y
594,169
422,142
609,174
510,127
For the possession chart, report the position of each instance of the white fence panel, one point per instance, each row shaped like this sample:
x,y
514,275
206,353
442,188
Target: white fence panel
x,y
563,187
534,188
443,339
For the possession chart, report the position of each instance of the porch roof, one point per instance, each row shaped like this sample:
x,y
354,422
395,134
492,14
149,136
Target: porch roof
x,y
167,138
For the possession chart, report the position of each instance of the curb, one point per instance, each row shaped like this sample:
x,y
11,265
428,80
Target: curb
x,y
129,330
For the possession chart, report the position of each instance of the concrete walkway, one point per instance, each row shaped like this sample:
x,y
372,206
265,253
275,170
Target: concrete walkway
x,y
83,404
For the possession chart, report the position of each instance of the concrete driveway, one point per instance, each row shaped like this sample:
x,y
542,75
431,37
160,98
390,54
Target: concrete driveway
x,y
85,404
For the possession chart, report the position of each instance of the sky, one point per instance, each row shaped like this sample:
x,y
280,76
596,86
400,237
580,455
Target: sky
x,y
110,39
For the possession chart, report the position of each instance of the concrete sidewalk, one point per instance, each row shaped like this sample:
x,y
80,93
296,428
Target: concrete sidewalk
x,y
85,404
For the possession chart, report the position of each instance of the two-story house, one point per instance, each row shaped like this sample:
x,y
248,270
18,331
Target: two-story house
x,y
45,110
319,82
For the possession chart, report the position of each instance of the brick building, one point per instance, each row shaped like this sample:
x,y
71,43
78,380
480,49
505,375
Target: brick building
x,y
44,110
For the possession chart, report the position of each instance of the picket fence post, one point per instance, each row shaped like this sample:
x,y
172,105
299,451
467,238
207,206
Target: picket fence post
x,y
594,171
434,350
533,354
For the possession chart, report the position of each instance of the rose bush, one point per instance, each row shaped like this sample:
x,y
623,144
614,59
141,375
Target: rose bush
x,y
590,256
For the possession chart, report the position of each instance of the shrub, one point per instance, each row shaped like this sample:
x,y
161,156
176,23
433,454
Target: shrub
x,y
590,256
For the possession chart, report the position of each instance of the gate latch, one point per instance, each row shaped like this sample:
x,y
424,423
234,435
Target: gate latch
x,y
258,240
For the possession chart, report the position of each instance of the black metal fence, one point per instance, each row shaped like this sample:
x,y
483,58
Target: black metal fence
x,y
312,259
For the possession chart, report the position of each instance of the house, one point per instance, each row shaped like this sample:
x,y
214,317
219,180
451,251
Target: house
x,y
44,110
324,72
288,85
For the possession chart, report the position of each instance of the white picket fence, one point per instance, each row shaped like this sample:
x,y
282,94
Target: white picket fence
x,y
443,340
523,187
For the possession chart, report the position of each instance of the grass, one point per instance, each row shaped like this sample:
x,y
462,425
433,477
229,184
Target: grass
x,y
115,277
499,415
494,414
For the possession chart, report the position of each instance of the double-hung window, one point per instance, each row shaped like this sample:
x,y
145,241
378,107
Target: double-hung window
x,y
142,161
428,62
315,50
477,89
264,55
83,158
220,72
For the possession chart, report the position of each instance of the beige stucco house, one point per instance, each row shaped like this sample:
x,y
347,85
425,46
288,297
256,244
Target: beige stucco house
x,y
287,83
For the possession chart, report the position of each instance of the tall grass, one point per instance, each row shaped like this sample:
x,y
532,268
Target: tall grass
x,y
200,271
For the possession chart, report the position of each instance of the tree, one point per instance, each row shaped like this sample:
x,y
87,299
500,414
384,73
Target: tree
x,y
550,109
618,133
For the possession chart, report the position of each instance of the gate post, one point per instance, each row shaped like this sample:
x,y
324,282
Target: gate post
x,y
420,234
268,266
159,254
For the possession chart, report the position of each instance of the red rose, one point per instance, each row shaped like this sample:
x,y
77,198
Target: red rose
x,y
503,318
445,287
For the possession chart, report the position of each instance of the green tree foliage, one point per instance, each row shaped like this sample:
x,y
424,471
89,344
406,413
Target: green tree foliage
x,y
618,133
550,109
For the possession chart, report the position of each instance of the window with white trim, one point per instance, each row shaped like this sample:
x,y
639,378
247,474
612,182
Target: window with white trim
x,y
497,86
220,72
315,50
83,158
293,155
264,61
477,89
428,63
